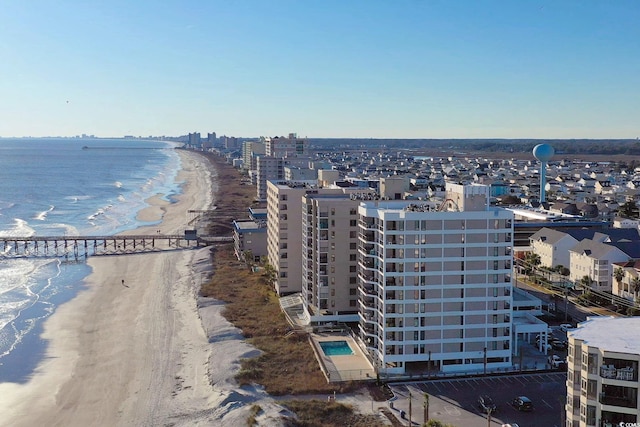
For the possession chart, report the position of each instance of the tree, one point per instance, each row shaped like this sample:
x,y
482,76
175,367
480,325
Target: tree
x,y
562,270
618,274
635,282
531,260
269,273
586,281
248,257
629,210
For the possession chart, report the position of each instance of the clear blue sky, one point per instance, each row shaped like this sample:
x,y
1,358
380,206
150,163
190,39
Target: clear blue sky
x,y
321,68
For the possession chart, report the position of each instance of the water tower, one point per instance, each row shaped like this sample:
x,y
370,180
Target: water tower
x,y
543,152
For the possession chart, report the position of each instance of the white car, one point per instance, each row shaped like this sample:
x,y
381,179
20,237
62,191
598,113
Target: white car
x,y
565,327
557,362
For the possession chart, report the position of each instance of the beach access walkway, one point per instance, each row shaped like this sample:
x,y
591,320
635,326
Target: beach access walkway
x,y
81,247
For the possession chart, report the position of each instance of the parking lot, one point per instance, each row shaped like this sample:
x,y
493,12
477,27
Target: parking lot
x,y
455,401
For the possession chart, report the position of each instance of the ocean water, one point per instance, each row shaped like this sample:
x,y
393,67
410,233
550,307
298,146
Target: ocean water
x,y
56,187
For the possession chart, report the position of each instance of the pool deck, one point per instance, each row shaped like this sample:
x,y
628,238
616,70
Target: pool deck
x,y
351,367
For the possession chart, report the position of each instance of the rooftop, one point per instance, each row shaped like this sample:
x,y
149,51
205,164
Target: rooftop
x,y
617,334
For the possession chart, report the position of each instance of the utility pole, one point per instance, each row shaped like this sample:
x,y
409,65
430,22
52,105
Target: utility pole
x,y
485,360
489,412
426,408
410,423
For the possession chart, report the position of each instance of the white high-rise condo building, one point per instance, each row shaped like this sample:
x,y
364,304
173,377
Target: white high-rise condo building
x,y
602,373
435,284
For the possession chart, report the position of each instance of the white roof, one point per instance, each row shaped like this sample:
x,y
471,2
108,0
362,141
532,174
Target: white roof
x,y
617,334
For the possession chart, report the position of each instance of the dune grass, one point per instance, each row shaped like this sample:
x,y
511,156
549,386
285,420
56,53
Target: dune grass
x,y
287,364
318,413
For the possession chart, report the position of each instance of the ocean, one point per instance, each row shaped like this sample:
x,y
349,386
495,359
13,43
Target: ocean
x,y
56,187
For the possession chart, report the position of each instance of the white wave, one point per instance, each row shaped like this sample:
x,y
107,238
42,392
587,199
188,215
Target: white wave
x,y
75,199
121,198
118,184
21,229
96,214
67,230
43,215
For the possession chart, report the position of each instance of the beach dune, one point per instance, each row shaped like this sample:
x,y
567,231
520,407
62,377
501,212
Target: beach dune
x,y
132,349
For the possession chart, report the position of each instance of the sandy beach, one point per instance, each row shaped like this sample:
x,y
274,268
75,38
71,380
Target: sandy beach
x,y
138,347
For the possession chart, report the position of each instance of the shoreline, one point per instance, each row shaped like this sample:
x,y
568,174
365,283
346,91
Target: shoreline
x,y
133,347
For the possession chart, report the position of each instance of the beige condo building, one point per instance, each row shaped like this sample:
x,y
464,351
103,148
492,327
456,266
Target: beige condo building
x,y
329,257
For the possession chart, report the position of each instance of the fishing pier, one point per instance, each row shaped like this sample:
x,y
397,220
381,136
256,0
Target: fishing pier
x,y
81,247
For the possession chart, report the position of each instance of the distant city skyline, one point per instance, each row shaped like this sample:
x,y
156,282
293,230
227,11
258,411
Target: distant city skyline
x,y
324,69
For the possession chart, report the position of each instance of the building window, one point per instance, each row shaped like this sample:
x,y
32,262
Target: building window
x,y
352,269
352,303
353,223
353,291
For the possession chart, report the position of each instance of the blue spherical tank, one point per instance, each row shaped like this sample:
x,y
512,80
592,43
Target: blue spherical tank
x,y
543,152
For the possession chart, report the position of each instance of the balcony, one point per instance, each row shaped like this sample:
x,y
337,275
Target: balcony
x,y
369,291
368,263
368,223
368,277
367,236
625,402
626,397
624,374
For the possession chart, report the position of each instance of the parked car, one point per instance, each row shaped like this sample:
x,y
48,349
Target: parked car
x,y
522,403
558,344
555,361
510,425
486,404
566,326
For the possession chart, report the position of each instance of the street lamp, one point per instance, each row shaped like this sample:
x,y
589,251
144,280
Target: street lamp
x,y
485,360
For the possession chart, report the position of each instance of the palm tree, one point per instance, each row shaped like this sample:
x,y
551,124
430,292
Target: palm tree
x,y
586,281
635,282
618,274
531,260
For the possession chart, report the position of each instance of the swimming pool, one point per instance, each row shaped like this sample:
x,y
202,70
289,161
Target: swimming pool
x,y
336,348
